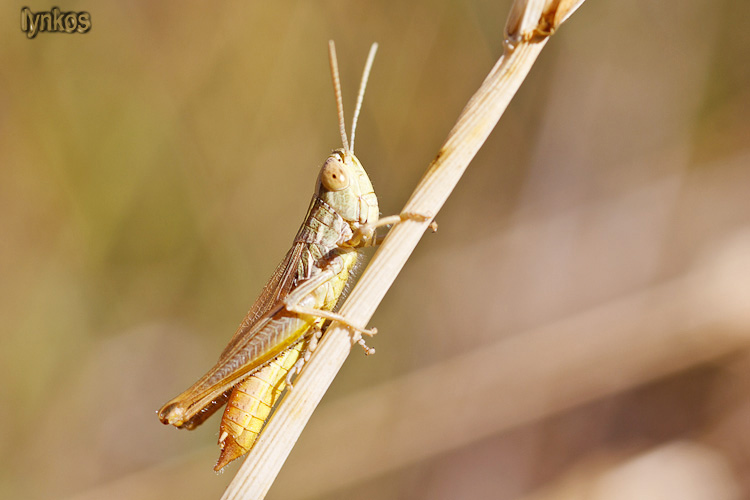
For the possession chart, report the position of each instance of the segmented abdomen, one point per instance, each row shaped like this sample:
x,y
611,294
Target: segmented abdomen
x,y
251,403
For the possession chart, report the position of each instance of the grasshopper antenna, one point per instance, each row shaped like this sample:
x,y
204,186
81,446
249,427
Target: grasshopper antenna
x,y
337,92
362,86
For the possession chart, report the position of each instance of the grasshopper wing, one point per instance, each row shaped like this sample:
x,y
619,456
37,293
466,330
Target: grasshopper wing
x,y
252,346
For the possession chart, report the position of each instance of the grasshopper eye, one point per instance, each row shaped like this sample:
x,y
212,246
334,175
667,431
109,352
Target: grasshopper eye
x,y
333,176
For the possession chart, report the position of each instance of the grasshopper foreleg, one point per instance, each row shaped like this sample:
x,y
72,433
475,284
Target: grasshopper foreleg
x,y
366,232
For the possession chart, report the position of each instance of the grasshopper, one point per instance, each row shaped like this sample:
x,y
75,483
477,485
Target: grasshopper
x,y
284,324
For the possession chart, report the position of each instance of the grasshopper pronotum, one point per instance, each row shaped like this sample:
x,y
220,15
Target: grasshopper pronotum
x,y
283,325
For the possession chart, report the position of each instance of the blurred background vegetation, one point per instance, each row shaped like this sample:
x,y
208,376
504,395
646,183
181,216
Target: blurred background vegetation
x,y
154,171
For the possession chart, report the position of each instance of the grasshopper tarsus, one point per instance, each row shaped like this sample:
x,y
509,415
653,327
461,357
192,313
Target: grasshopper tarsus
x,y
296,369
369,351
433,225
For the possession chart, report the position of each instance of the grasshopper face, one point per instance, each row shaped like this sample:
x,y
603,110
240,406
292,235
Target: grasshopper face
x,y
344,185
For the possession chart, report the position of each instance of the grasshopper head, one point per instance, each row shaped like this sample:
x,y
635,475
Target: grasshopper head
x,y
343,184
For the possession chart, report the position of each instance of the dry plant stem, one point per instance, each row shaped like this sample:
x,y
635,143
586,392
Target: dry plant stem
x,y
471,130
527,376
